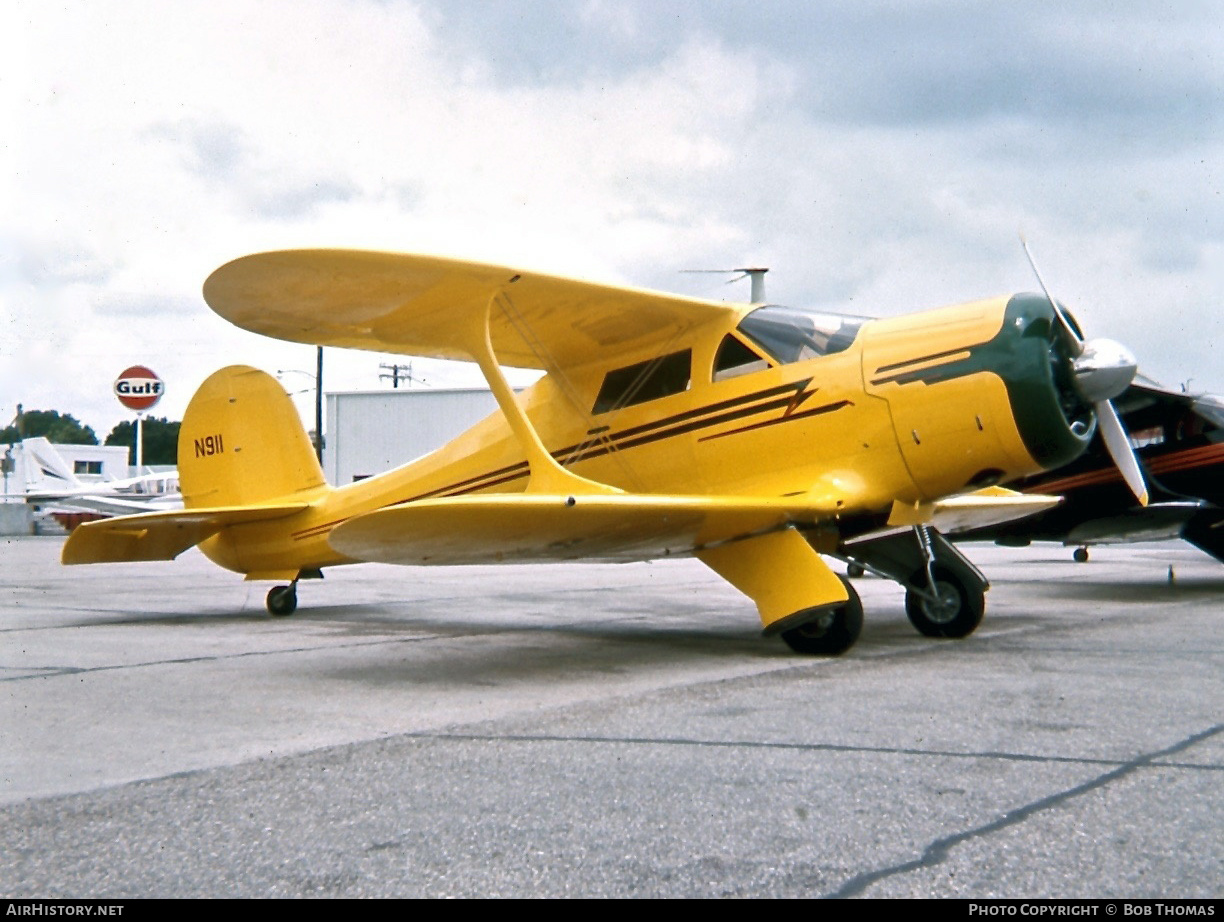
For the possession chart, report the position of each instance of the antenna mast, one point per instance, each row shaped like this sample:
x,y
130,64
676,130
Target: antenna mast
x,y
757,275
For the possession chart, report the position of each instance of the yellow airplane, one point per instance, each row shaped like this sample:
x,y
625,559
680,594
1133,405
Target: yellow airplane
x,y
757,438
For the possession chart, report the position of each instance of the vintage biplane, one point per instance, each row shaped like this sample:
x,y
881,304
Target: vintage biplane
x,y
758,438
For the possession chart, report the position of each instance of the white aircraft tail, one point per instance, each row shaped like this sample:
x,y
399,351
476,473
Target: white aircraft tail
x,y
46,471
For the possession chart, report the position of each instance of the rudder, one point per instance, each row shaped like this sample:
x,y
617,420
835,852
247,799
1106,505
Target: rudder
x,y
242,443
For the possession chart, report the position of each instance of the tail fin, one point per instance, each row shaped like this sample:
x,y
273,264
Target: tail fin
x,y
242,443
46,471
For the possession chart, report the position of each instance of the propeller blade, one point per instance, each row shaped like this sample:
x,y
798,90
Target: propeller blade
x,y
1102,369
1073,339
1120,449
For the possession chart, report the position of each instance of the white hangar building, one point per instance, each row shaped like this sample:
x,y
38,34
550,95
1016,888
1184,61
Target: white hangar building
x,y
369,432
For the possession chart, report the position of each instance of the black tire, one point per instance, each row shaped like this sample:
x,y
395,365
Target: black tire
x,y
281,601
957,614
831,632
1080,555
854,570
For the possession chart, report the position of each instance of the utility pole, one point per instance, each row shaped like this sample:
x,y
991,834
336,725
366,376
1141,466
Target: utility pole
x,y
319,403
317,377
400,373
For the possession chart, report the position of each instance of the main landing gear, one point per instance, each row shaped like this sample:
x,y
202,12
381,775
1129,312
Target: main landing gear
x,y
945,594
832,632
946,607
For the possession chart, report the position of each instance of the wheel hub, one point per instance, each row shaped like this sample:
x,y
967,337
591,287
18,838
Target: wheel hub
x,y
818,625
945,606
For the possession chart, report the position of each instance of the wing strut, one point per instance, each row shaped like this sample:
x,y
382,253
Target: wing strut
x,y
547,476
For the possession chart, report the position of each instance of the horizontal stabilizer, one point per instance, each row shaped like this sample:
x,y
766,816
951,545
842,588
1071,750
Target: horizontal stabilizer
x,y
160,535
522,527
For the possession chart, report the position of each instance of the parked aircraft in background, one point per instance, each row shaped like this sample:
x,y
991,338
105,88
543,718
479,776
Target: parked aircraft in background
x,y
1179,438
53,487
754,437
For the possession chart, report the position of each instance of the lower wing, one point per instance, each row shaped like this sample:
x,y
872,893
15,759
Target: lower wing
x,y
524,527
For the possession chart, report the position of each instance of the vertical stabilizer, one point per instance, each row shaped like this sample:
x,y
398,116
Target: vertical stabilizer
x,y
242,443
46,471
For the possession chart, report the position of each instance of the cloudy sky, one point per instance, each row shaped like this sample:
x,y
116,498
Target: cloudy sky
x,y
879,157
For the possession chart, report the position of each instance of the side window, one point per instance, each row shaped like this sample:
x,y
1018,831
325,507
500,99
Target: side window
x,y
625,387
735,358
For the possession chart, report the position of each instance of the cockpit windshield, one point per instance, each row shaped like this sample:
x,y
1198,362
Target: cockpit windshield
x,y
791,334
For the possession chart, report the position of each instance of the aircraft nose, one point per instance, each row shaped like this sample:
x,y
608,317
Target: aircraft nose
x,y
1103,370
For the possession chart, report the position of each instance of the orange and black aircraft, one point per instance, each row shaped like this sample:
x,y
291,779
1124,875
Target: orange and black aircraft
x,y
1179,439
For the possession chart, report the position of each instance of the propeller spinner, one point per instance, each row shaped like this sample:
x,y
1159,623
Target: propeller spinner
x,y
1102,369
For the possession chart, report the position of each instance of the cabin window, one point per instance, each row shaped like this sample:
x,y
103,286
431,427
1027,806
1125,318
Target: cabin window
x,y
790,335
625,387
735,358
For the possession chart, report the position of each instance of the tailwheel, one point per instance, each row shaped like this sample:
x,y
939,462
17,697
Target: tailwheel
x,y
955,611
282,600
1080,555
832,631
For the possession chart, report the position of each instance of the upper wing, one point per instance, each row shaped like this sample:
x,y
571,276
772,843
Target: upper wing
x,y
418,305
513,528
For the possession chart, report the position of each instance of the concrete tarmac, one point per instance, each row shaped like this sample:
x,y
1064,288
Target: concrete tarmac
x,y
606,731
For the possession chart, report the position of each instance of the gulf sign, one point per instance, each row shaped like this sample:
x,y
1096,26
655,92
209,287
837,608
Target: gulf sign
x,y
138,388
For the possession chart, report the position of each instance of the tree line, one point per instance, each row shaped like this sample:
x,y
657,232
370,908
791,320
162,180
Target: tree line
x,y
160,436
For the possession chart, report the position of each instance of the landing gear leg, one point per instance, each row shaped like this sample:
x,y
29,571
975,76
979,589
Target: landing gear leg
x,y
282,600
939,602
945,593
